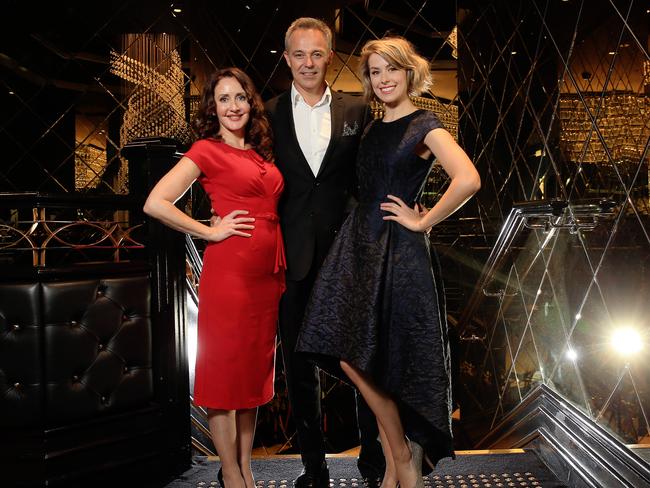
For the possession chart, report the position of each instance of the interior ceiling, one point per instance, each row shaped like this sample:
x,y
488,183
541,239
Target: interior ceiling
x,y
55,61
239,32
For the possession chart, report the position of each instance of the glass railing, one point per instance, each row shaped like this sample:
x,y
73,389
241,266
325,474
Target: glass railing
x,y
563,301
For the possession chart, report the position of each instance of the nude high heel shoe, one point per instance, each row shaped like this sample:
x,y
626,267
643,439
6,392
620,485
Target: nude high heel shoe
x,y
417,453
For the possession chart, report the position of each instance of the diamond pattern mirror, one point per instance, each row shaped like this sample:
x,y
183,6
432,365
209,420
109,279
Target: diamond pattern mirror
x,y
555,99
551,102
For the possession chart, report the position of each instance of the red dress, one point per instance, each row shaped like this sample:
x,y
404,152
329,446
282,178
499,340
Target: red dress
x,y
241,282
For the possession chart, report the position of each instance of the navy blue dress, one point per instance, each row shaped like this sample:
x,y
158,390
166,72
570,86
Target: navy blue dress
x,y
378,302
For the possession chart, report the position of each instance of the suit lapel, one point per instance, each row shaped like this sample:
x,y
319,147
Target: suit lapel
x,y
336,112
286,110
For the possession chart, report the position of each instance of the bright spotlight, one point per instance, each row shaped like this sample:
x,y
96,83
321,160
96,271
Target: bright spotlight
x,y
571,354
627,341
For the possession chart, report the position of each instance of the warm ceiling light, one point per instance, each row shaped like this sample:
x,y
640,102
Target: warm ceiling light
x,y
627,341
571,354
178,10
513,52
273,51
611,53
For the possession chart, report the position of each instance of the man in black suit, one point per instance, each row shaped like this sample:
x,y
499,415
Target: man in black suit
x,y
316,135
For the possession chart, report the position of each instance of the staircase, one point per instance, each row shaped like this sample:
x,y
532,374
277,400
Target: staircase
x,y
470,469
543,441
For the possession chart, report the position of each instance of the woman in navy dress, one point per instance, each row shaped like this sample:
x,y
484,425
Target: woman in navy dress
x,y
377,309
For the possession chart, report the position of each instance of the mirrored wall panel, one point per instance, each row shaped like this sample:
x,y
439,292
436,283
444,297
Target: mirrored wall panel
x,y
80,80
555,100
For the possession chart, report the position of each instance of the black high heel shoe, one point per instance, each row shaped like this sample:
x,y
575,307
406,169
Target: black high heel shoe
x,y
220,478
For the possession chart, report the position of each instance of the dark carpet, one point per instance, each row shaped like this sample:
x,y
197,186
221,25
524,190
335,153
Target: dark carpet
x,y
466,471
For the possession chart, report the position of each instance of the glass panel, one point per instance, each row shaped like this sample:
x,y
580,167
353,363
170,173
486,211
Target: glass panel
x,y
555,99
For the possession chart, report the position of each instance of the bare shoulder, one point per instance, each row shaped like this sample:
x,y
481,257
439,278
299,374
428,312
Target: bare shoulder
x,y
438,135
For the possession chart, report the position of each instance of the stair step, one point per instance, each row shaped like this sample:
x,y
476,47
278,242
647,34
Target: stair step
x,y
471,469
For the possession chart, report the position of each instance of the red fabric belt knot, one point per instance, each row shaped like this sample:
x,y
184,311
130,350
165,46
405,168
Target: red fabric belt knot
x,y
270,216
280,259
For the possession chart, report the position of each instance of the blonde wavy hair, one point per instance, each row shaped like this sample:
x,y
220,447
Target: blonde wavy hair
x,y
402,55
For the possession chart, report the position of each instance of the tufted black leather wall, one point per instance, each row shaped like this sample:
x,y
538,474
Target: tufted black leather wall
x,y
93,362
72,350
21,355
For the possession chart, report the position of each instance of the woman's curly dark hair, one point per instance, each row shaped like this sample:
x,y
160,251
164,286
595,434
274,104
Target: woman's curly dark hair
x,y
258,130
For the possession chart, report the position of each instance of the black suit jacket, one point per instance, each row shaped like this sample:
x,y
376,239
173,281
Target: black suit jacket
x,y
312,208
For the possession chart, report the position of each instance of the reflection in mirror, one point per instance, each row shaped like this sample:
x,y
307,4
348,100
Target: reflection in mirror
x,y
565,303
551,102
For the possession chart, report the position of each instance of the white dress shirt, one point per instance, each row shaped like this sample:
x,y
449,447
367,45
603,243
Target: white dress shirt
x,y
313,126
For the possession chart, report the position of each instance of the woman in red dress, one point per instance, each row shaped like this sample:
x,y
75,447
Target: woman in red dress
x,y
243,265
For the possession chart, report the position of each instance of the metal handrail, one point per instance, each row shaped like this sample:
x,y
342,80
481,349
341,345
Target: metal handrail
x,y
545,215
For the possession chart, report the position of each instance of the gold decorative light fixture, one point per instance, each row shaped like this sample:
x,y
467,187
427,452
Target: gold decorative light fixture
x,y
156,106
90,162
452,40
622,119
153,78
